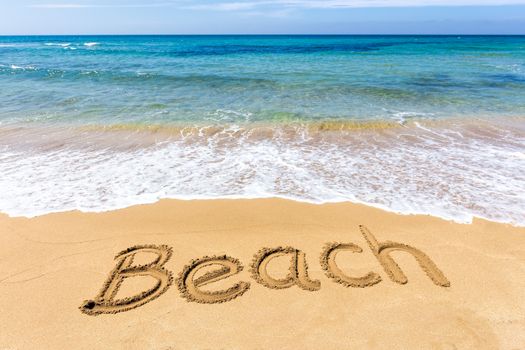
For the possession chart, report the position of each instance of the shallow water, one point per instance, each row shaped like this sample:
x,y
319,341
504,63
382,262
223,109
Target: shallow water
x,y
414,124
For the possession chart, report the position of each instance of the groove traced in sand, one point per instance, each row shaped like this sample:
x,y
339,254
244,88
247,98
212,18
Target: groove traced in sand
x,y
298,271
333,271
105,302
189,285
190,282
382,252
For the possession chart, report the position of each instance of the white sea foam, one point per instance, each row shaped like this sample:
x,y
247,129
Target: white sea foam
x,y
91,44
412,170
58,44
15,67
404,116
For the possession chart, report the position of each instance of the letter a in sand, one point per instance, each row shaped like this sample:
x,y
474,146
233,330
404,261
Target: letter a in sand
x,y
298,272
105,302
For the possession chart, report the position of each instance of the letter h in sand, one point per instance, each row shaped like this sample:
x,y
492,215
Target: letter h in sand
x,y
382,252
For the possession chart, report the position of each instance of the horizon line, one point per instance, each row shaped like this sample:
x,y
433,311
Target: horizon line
x,y
274,34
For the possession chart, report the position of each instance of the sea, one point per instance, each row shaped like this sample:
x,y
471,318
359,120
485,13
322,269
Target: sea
x,y
429,125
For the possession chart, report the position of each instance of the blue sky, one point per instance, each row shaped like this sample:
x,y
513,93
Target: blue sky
x,y
262,17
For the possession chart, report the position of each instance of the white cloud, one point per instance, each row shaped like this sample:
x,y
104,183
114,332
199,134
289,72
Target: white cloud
x,y
330,4
83,6
59,6
391,3
226,6
312,4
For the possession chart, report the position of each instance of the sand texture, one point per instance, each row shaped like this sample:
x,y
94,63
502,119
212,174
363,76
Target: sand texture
x,y
259,274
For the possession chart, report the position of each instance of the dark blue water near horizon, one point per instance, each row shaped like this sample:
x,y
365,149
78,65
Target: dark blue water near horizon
x,y
295,77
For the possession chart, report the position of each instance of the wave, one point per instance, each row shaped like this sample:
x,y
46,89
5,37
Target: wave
x,y
15,67
58,44
445,169
277,128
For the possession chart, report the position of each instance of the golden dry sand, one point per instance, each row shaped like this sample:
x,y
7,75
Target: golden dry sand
x,y
259,274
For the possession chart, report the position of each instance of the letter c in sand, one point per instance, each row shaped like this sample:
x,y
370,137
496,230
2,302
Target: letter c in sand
x,y
333,271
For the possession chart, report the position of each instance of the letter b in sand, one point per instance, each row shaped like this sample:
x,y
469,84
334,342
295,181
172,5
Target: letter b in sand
x,y
105,302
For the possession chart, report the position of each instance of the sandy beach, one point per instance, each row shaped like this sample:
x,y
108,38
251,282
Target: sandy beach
x,y
52,266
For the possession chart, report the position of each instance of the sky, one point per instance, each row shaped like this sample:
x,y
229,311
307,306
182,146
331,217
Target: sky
x,y
28,17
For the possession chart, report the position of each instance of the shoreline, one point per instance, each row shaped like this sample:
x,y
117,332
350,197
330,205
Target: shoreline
x,y
470,221
408,170
51,265
446,172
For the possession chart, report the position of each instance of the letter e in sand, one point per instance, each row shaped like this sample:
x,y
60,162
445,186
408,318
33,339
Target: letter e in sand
x,y
189,284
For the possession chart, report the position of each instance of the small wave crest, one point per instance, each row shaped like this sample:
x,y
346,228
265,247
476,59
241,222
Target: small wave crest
x,y
442,169
250,128
58,44
15,67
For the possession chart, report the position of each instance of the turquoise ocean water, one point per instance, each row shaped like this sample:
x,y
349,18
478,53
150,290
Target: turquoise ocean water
x,y
413,124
